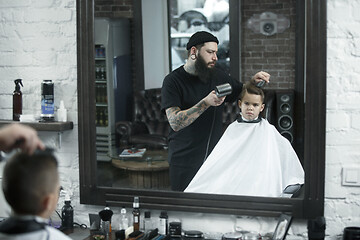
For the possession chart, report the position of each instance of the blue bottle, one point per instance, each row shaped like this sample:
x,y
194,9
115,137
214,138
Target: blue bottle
x,y
47,101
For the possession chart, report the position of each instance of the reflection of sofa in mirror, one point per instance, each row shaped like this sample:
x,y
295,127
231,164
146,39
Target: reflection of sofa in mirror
x,y
150,127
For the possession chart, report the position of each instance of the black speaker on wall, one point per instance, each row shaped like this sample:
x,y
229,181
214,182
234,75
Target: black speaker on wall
x,y
285,114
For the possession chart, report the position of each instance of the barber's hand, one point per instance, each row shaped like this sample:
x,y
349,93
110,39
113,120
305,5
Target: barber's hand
x,y
20,136
261,76
213,100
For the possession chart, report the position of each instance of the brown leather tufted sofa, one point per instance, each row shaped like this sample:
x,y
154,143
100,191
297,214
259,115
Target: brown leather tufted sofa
x,y
150,127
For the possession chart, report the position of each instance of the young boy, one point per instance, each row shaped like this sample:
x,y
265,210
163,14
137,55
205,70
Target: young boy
x,y
251,158
31,187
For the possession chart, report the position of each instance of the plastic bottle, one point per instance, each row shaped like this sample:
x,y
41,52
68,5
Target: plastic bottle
x,y
62,112
67,214
163,226
124,221
17,100
136,214
147,222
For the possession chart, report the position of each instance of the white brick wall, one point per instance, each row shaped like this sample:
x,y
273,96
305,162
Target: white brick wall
x,y
342,130
38,41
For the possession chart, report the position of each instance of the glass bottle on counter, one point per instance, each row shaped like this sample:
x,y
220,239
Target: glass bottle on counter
x,y
124,221
136,214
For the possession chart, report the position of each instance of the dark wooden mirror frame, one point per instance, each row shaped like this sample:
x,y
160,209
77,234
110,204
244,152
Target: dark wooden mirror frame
x,y
312,14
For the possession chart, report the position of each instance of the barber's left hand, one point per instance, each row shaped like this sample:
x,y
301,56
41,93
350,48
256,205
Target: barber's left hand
x,y
261,76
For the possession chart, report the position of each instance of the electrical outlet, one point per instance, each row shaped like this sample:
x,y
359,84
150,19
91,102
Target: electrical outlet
x,y
351,176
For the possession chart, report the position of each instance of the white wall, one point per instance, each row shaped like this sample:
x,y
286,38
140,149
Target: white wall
x,y
38,41
155,34
343,113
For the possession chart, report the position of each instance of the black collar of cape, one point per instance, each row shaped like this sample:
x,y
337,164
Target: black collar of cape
x,y
240,119
14,225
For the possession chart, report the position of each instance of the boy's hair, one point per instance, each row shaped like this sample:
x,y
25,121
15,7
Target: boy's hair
x,y
250,88
28,179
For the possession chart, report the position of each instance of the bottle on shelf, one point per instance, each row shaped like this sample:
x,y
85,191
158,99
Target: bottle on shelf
x,y
97,73
102,73
17,100
47,100
136,214
101,118
62,112
106,117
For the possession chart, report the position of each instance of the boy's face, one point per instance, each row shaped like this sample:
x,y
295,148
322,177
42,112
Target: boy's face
x,y
251,106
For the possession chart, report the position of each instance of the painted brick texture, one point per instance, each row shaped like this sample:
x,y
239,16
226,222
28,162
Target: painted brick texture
x,y
38,41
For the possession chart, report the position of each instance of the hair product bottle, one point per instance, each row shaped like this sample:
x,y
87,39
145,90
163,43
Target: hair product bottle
x,y
62,112
47,100
136,214
163,226
67,214
17,100
147,222
124,221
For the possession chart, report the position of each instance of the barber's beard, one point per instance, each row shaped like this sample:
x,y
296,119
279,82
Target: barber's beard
x,y
202,70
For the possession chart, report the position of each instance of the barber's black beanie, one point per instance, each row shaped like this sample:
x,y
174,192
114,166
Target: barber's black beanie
x,y
200,38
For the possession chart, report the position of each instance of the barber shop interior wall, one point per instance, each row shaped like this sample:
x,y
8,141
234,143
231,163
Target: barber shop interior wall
x,y
343,115
274,53
38,41
155,35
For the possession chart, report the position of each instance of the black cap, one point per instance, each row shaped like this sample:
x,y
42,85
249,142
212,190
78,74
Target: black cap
x,y
200,38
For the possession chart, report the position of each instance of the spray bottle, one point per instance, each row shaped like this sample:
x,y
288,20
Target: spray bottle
x,y
17,100
67,214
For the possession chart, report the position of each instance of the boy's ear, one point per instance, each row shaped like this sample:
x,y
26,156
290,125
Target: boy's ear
x,y
262,107
48,203
239,103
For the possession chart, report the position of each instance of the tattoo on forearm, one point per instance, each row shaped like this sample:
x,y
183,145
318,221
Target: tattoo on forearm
x,y
180,119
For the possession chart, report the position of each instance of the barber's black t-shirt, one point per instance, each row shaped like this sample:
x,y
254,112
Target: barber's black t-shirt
x,y
187,147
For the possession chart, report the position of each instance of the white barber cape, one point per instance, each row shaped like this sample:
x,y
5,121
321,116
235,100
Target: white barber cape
x,y
250,159
28,227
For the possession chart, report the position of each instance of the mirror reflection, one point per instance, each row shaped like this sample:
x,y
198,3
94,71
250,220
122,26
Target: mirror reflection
x,y
188,17
128,122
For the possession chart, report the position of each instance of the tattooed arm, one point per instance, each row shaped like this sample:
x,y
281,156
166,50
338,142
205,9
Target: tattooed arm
x,y
179,119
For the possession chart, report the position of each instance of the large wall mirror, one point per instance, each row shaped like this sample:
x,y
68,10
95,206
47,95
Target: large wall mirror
x,y
310,84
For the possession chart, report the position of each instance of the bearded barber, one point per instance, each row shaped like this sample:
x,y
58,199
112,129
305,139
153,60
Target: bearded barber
x,y
193,109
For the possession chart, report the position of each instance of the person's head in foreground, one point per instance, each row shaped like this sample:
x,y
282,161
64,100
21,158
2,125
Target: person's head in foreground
x,y
31,183
251,101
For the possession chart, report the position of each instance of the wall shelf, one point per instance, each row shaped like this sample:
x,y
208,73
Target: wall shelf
x,y
58,127
43,126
